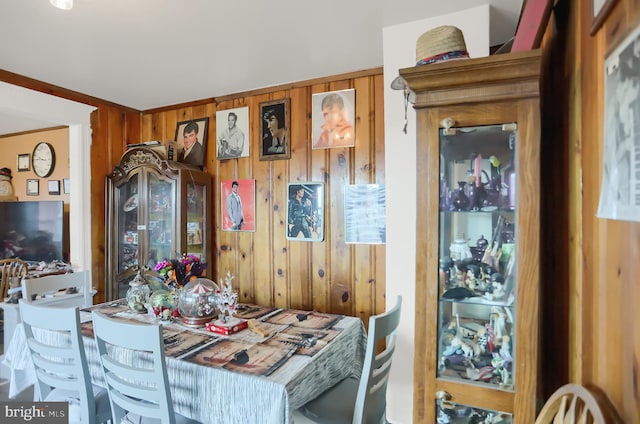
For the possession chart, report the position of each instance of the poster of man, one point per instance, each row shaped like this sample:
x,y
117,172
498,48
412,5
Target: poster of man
x,y
305,211
232,127
620,186
238,205
191,138
333,117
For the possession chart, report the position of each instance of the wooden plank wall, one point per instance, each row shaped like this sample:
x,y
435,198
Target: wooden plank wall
x,y
590,272
330,276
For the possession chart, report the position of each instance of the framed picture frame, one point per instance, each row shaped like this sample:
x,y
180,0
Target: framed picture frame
x,y
238,208
532,25
66,186
24,162
33,187
333,119
191,141
365,213
600,11
305,211
618,194
232,128
53,186
274,131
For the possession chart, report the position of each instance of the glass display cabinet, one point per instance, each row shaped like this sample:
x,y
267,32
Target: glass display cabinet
x,y
477,252
156,210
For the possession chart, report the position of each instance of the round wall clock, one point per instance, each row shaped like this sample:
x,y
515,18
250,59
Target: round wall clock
x,y
43,159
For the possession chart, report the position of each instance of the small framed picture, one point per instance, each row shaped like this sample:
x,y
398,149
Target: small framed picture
x,y
24,163
333,117
33,187
274,132
66,186
191,140
232,126
54,187
365,213
238,205
305,211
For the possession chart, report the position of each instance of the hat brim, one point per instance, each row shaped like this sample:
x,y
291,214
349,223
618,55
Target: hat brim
x,y
398,83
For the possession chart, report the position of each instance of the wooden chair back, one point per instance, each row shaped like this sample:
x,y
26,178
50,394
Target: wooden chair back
x,y
570,404
12,271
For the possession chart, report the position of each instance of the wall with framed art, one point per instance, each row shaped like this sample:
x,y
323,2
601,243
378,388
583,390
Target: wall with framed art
x,y
18,156
315,270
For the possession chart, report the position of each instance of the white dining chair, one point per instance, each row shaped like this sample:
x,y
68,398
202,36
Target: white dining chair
x,y
62,372
136,393
50,289
361,401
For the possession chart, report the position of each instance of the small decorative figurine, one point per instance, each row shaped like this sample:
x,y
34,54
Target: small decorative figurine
x,y
226,300
138,293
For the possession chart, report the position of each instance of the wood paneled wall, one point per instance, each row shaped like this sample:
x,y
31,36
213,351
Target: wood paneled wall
x,y
591,268
330,276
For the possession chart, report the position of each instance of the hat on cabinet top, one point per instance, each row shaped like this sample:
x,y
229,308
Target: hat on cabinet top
x,y
440,44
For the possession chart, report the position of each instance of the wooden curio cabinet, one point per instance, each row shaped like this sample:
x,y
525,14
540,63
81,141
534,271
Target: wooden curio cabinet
x,y
478,233
156,210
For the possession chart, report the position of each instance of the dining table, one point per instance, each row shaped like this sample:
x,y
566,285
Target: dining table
x,y
257,375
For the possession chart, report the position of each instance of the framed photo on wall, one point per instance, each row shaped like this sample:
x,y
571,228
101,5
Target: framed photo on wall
x,y
54,187
238,209
66,186
274,131
333,117
33,187
620,184
365,213
191,140
305,211
24,161
232,128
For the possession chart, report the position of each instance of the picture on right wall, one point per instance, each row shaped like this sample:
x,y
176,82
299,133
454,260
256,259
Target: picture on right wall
x,y
365,213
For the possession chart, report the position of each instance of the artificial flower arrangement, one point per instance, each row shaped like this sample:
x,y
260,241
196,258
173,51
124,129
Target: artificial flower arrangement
x,y
176,273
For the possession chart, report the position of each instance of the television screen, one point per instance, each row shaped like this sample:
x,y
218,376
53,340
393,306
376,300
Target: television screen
x,y
32,231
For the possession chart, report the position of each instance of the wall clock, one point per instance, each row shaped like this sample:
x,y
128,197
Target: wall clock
x,y
43,159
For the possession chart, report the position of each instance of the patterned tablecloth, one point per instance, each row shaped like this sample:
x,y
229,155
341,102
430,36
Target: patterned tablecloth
x,y
243,377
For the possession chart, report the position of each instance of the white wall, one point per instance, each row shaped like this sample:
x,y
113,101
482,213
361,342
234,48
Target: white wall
x,y
22,102
399,44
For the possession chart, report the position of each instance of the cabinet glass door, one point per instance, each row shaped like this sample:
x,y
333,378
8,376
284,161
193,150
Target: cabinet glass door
x,y
196,195
477,259
161,219
127,203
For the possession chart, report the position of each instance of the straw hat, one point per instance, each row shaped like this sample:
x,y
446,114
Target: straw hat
x,y
440,44
436,45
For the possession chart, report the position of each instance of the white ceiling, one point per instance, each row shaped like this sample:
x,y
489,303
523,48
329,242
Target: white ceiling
x,y
146,54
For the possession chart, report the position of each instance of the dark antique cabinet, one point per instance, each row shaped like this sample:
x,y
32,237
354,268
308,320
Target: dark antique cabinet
x,y
156,209
477,254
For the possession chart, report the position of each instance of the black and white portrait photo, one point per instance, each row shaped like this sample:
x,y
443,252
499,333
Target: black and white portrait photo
x,y
232,128
620,190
